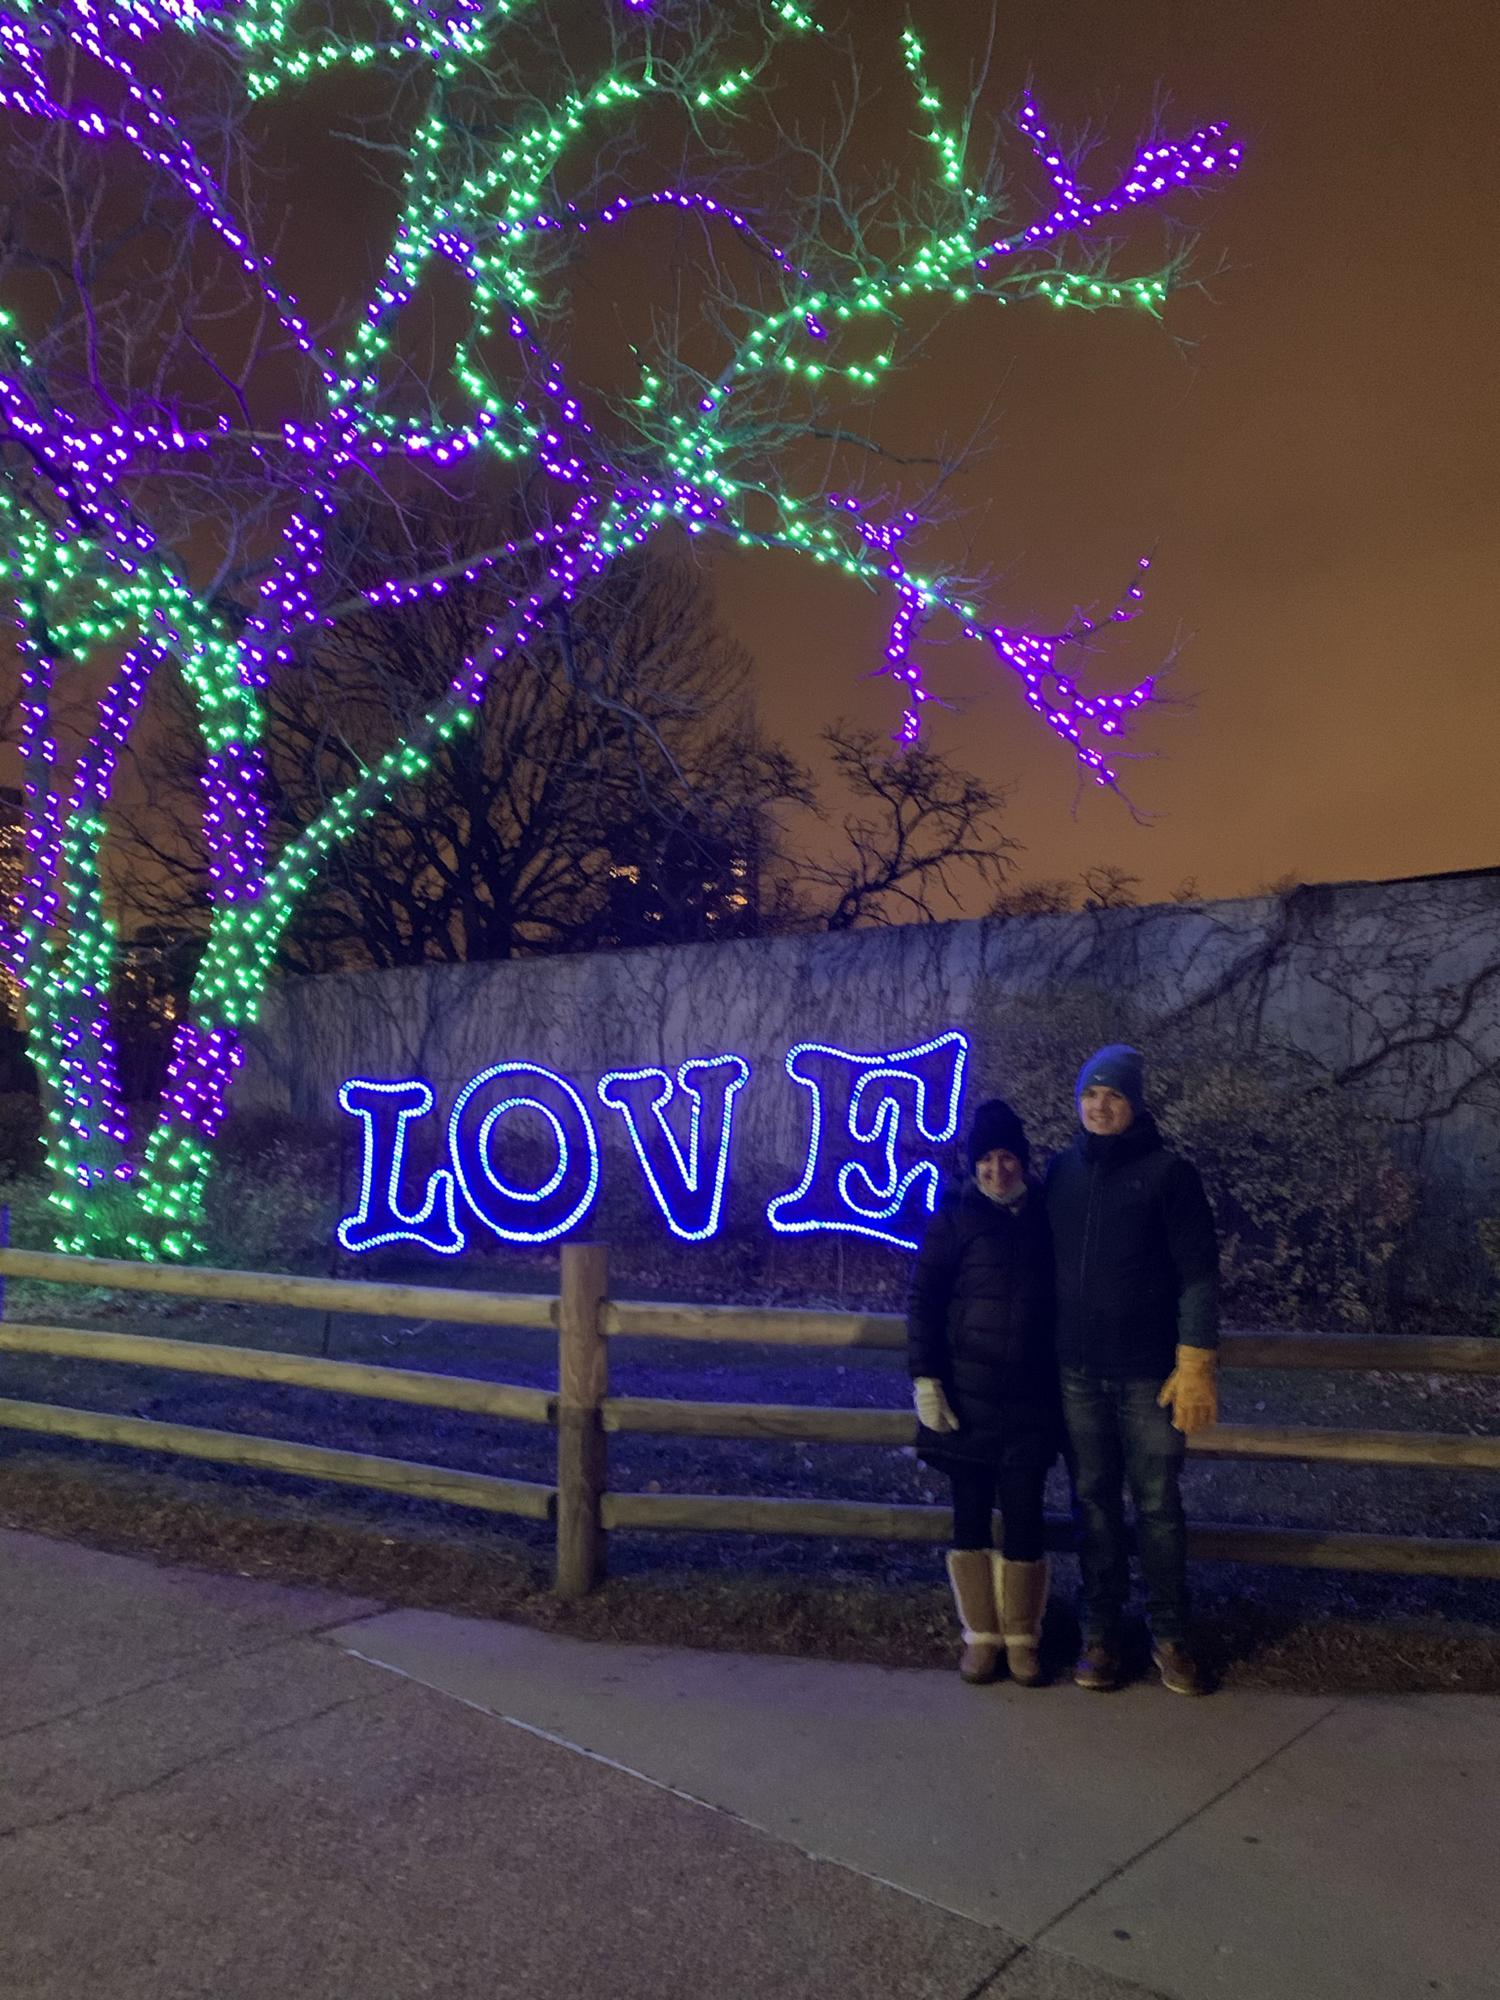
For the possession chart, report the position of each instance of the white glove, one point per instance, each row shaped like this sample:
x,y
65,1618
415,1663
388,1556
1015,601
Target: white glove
x,y
934,1413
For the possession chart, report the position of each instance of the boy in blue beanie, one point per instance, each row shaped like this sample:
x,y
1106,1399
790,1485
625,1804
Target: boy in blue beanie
x,y
1137,1264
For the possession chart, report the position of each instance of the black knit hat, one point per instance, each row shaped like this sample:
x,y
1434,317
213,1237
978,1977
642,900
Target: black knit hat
x,y
997,1128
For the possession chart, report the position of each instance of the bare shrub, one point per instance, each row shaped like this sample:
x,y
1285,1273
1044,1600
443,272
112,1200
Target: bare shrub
x,y
1310,1198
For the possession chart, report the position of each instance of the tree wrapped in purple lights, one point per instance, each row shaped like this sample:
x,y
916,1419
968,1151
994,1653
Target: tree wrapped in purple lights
x,y
153,519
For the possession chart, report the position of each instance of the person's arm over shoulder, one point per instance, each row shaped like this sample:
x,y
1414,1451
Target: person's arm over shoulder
x,y
1193,1245
932,1280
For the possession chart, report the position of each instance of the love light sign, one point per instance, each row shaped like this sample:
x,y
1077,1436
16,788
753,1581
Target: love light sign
x,y
876,1124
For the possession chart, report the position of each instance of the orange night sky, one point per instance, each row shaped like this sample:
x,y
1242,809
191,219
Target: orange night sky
x,y
1317,472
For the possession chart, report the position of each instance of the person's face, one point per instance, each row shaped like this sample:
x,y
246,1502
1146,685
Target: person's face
x,y
999,1174
1104,1111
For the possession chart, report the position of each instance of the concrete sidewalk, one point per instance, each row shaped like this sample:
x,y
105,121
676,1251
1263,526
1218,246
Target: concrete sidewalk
x,y
1246,1846
216,1787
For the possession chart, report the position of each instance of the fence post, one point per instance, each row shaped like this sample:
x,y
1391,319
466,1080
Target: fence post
x,y
582,1381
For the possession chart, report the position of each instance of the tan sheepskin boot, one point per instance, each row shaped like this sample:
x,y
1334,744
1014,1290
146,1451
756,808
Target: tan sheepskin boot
x,y
1021,1592
972,1578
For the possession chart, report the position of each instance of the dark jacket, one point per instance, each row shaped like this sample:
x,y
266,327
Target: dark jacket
x,y
1136,1254
979,1317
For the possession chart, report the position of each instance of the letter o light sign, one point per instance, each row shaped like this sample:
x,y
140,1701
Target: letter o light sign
x,y
523,1153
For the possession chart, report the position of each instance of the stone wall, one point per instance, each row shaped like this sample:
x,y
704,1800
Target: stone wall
x,y
1391,991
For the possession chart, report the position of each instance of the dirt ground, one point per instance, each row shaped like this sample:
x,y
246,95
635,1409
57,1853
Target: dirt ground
x,y
1309,1630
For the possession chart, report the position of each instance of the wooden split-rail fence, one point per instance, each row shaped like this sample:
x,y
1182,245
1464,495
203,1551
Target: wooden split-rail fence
x,y
585,1415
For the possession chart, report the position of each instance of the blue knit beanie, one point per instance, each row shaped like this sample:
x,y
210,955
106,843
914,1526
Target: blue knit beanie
x,y
1119,1067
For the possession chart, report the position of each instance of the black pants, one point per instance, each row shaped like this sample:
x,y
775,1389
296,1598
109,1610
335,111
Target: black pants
x,y
978,1490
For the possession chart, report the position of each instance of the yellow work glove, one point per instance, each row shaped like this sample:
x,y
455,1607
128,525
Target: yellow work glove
x,y
1191,1391
934,1413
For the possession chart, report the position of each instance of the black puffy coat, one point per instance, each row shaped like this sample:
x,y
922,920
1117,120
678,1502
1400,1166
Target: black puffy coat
x,y
979,1318
1137,1255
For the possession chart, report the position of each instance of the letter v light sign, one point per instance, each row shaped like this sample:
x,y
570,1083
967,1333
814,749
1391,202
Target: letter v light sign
x,y
688,1187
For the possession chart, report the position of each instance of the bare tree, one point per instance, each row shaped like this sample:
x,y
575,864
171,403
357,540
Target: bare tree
x,y
613,789
919,828
1109,887
1052,896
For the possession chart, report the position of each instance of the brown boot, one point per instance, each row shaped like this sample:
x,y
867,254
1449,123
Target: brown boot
x,y
1179,1670
1100,1665
1021,1588
972,1578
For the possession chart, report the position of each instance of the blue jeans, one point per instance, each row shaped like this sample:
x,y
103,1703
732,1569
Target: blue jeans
x,y
1118,1437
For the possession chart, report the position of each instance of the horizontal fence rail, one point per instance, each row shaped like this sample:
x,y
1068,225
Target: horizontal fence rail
x,y
1300,1548
303,1371
585,1415
663,1418
275,1288
780,1326
1386,1353
306,1461
760,1326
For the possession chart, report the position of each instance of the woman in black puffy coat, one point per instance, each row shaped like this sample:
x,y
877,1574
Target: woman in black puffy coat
x,y
984,1373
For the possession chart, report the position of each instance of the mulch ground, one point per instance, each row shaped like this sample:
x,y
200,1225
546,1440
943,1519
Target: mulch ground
x,y
1304,1631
